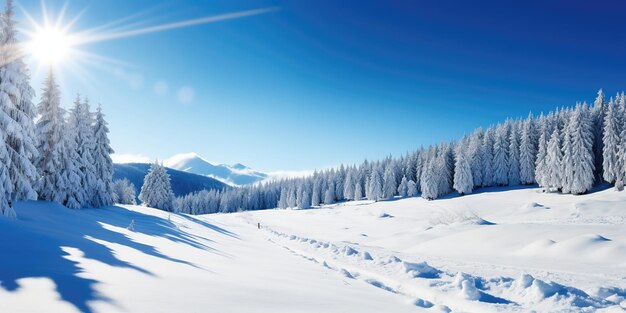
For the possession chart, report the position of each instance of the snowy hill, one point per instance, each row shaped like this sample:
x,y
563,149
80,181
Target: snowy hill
x,y
237,174
182,182
495,251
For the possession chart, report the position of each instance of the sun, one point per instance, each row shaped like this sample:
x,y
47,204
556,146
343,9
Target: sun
x,y
50,45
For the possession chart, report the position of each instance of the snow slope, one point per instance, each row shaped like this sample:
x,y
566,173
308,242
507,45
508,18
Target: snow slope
x,y
495,251
237,174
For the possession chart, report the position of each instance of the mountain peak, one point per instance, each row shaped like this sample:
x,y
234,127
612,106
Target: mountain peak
x,y
239,166
237,174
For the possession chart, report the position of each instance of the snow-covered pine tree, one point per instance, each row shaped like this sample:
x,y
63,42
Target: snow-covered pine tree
x,y
501,155
567,163
542,151
72,193
282,202
411,189
316,198
6,187
554,157
49,132
17,112
596,118
528,151
475,156
123,192
329,194
375,186
102,162
612,141
348,187
429,180
514,155
403,188
463,181
389,183
156,191
487,158
358,191
581,176
81,121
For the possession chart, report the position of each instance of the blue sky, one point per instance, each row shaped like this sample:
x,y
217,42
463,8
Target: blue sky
x,y
318,83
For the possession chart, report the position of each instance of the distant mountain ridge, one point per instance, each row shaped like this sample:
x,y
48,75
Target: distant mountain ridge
x,y
237,174
182,182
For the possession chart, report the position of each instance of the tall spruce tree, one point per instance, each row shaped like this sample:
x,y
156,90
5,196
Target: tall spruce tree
x,y
102,162
17,112
612,141
49,132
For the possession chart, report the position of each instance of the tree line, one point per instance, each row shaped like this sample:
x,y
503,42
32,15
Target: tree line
x,y
567,150
47,153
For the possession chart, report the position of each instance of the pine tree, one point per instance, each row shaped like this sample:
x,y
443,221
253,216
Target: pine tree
x,y
17,113
375,187
514,156
528,151
596,120
581,176
389,183
123,192
488,173
72,194
429,180
329,195
611,140
403,188
348,188
554,157
411,189
49,132
358,191
501,155
540,169
81,121
463,181
156,191
476,157
6,187
102,161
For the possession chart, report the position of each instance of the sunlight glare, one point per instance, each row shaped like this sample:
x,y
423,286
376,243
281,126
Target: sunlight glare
x,y
50,45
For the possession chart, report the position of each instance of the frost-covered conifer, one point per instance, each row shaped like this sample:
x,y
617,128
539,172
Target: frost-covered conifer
x,y
463,181
514,155
581,171
375,185
501,155
528,151
411,189
611,140
102,162
123,192
156,191
81,122
554,157
403,188
487,158
17,113
389,183
49,132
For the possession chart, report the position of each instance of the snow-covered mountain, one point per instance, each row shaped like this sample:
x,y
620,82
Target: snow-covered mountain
x,y
237,174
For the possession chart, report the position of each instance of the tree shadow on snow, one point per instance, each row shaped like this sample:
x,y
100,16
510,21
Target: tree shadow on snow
x,y
36,246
